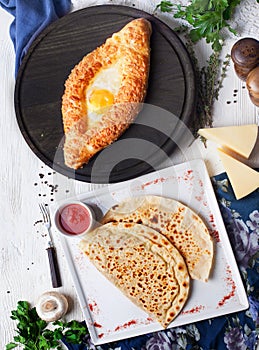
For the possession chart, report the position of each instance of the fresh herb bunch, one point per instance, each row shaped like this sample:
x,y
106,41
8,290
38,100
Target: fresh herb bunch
x,y
207,18
209,80
33,334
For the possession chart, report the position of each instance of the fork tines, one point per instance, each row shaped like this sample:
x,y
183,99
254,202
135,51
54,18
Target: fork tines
x,y
45,212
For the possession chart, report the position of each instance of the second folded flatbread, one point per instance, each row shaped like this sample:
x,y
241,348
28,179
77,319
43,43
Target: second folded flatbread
x,y
178,223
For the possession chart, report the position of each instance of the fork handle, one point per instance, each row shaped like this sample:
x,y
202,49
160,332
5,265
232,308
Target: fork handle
x,y
54,269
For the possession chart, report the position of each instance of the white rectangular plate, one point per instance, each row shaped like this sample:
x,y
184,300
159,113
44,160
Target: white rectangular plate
x,y
108,313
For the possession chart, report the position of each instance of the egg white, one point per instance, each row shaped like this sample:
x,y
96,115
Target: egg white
x,y
107,79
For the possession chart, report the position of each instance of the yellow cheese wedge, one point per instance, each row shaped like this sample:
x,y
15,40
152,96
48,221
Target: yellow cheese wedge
x,y
243,179
240,139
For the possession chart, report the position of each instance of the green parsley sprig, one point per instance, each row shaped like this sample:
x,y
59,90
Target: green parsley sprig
x,y
207,18
165,6
33,334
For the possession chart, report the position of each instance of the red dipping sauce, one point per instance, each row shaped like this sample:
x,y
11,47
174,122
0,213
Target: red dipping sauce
x,y
74,219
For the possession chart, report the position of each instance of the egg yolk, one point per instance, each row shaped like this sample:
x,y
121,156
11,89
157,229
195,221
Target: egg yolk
x,y
100,98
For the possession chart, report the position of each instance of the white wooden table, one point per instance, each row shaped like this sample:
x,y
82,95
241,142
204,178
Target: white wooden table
x,y
25,180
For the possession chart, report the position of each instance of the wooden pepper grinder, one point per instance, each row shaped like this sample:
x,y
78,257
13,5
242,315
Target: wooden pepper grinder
x,y
252,84
245,55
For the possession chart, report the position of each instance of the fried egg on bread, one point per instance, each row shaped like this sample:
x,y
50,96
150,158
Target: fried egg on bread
x,y
103,92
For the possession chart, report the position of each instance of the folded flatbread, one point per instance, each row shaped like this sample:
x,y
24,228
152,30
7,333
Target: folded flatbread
x,y
178,223
104,92
143,264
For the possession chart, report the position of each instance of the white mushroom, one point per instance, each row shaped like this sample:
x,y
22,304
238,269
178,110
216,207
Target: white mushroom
x,y
51,306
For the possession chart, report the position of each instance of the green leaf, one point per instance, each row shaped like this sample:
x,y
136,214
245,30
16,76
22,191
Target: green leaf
x,y
207,17
230,9
23,305
165,6
33,332
43,343
199,5
59,323
57,334
41,324
232,30
217,46
19,339
71,336
195,35
11,346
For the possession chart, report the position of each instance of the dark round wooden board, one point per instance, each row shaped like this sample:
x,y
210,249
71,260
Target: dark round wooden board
x,y
40,86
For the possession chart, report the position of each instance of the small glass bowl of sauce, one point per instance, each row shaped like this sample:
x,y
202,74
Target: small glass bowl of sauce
x,y
74,219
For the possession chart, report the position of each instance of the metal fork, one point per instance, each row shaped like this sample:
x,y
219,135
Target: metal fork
x,y
53,263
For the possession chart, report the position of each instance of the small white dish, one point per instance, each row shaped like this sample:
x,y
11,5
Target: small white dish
x,y
74,219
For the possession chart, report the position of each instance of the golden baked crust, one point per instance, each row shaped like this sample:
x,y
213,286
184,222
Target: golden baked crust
x,y
129,50
177,222
143,264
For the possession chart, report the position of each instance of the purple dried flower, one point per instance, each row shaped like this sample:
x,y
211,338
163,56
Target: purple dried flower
x,y
244,243
159,341
234,339
254,223
254,308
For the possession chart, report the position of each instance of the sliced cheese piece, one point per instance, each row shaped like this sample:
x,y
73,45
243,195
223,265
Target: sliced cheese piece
x,y
240,139
244,179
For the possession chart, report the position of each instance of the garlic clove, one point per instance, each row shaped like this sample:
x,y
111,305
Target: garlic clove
x,y
51,306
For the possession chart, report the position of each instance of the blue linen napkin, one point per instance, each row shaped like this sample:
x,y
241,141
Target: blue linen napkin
x,y
237,331
30,18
